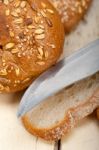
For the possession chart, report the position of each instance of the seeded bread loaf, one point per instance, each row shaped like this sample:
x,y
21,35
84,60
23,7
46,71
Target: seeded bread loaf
x,y
29,41
57,115
71,11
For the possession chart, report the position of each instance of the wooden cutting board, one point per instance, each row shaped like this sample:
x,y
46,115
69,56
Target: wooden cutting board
x,y
85,136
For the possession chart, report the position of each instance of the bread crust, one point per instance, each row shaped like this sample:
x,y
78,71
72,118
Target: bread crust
x,y
71,11
70,120
29,41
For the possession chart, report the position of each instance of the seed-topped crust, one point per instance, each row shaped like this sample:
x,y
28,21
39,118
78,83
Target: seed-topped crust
x,y
29,41
71,11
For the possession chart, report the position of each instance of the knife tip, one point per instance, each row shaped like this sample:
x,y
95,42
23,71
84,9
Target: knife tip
x,y
20,113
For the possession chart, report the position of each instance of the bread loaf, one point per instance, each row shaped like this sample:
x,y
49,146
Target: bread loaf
x,y
71,11
29,41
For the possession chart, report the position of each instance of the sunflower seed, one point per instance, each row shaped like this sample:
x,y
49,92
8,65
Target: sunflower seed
x,y
7,12
6,2
23,4
9,45
39,31
17,3
11,34
14,51
40,36
14,14
18,21
41,63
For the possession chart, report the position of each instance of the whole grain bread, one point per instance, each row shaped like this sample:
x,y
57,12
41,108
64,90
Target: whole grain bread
x,y
60,113
71,11
29,41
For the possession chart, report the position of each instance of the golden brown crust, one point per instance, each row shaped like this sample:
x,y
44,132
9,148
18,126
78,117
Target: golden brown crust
x,y
71,11
72,117
29,41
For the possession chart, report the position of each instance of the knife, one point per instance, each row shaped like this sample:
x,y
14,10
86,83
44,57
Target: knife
x,y
80,65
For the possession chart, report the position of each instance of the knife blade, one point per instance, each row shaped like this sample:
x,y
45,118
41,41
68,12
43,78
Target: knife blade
x,y
82,64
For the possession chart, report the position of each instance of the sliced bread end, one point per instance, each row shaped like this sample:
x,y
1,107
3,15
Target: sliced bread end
x,y
82,105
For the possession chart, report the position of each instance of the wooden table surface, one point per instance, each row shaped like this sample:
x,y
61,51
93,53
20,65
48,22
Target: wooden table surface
x,y
85,136
14,137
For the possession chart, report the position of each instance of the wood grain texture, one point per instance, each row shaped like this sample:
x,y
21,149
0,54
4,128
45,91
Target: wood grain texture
x,y
84,137
57,145
12,134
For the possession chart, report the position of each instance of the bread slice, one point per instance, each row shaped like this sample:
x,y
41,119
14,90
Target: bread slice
x,y
60,113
